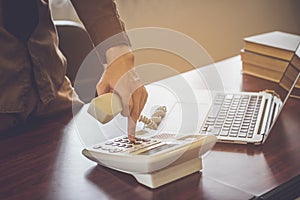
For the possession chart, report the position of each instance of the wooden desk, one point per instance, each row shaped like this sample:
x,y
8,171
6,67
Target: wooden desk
x,y
45,161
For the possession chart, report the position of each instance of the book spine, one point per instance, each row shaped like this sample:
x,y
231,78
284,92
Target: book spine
x,y
263,61
268,50
267,74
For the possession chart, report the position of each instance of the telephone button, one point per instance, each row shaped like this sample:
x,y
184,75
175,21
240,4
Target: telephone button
x,y
97,147
121,145
105,148
116,150
125,141
109,143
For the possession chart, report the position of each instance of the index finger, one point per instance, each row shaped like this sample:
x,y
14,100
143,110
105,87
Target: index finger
x,y
139,98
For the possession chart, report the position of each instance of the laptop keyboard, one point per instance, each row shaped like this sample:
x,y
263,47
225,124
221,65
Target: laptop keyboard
x,y
233,115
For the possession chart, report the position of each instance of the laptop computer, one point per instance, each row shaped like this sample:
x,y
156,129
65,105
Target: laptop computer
x,y
248,117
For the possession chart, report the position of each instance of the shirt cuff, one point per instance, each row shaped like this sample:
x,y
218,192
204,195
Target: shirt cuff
x,y
107,51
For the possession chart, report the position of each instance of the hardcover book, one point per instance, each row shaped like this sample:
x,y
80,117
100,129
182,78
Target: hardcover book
x,y
264,73
275,44
263,61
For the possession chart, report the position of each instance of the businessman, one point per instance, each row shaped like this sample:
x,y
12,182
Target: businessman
x,y
32,68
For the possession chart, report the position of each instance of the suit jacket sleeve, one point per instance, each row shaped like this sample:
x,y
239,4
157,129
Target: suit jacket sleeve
x,y
103,23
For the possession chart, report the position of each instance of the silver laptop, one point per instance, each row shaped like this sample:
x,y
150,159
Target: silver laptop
x,y
248,117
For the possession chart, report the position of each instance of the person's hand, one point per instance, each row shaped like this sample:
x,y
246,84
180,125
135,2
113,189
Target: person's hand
x,y
119,77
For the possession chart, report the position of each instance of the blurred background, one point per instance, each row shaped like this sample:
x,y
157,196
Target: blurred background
x,y
219,26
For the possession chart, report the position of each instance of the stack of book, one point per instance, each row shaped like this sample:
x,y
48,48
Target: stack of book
x,y
268,55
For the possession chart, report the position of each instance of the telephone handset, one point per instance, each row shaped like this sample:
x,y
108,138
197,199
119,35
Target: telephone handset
x,y
154,158
105,107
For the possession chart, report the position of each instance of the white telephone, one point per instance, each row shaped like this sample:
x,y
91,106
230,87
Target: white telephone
x,y
154,159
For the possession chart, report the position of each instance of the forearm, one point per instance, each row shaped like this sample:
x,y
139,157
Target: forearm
x,y
116,52
102,22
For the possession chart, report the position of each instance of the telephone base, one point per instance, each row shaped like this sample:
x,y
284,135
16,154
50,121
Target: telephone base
x,y
168,174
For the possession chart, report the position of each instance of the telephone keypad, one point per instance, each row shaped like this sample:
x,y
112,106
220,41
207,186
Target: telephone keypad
x,y
123,144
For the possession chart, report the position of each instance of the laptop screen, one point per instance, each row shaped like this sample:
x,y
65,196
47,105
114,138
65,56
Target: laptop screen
x,y
290,82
